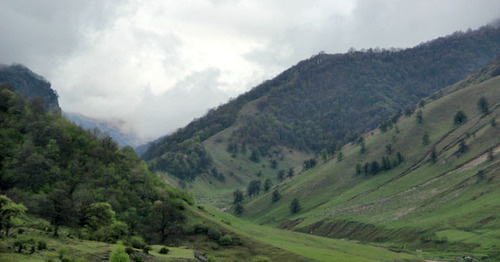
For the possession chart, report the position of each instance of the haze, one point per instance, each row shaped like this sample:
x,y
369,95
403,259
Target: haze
x,y
159,64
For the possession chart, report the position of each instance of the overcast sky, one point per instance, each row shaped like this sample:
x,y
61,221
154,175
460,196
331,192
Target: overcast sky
x,y
157,64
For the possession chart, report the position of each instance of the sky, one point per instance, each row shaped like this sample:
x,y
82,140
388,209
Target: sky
x,y
155,65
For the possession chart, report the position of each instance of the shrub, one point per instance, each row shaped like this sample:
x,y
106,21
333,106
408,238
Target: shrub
x,y
137,242
146,249
214,233
42,245
129,250
460,118
119,254
200,229
164,250
225,240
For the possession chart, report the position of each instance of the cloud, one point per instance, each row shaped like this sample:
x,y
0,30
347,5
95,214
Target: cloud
x,y
159,64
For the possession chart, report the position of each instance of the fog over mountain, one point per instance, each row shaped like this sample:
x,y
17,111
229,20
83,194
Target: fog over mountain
x,y
156,65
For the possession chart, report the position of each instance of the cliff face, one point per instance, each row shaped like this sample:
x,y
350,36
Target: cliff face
x,y
29,84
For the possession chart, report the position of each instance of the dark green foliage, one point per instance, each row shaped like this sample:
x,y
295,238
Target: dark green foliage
x,y
374,167
268,184
421,103
483,106
295,206
462,147
419,117
340,156
146,249
276,196
273,164
493,122
490,154
42,245
386,163
164,250
399,158
366,168
460,118
239,209
434,156
238,196
425,139
73,178
308,164
362,149
225,240
281,175
290,173
137,242
330,98
253,188
359,169
409,111
254,156
214,233
388,149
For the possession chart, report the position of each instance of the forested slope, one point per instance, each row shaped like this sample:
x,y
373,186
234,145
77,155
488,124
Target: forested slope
x,y
326,101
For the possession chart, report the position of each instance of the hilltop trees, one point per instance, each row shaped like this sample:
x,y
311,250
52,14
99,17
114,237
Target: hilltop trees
x,y
237,196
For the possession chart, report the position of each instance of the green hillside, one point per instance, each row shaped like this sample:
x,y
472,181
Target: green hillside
x,y
320,104
442,197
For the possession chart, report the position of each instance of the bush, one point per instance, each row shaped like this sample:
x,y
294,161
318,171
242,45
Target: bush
x,y
225,240
164,250
129,250
119,254
146,249
137,242
42,245
214,233
200,229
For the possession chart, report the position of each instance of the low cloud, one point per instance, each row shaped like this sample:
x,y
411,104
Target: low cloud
x,y
159,64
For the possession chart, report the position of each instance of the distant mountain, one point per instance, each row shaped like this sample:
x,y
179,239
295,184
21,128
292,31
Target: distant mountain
x,y
111,127
29,84
324,102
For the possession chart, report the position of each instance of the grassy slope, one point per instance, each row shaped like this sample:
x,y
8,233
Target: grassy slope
x,y
278,245
238,170
416,196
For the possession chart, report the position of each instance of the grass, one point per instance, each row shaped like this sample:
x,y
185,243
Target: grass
x,y
417,196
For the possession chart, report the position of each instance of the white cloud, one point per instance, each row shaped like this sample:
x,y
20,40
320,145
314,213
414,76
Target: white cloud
x,y
158,64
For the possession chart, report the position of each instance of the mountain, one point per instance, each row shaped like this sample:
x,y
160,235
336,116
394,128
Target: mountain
x,y
429,182
111,127
30,85
314,107
81,194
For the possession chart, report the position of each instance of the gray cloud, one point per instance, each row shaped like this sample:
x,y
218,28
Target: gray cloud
x,y
158,64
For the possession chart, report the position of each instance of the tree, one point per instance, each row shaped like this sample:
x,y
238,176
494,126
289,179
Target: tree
x,y
239,209
290,172
295,206
276,196
165,220
237,196
267,185
425,139
374,167
281,175
434,156
462,147
340,156
460,118
254,156
362,149
482,105
99,215
358,169
388,149
253,188
420,117
59,208
9,210
490,154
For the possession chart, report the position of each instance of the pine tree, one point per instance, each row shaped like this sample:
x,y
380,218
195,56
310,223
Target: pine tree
x,y
295,206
